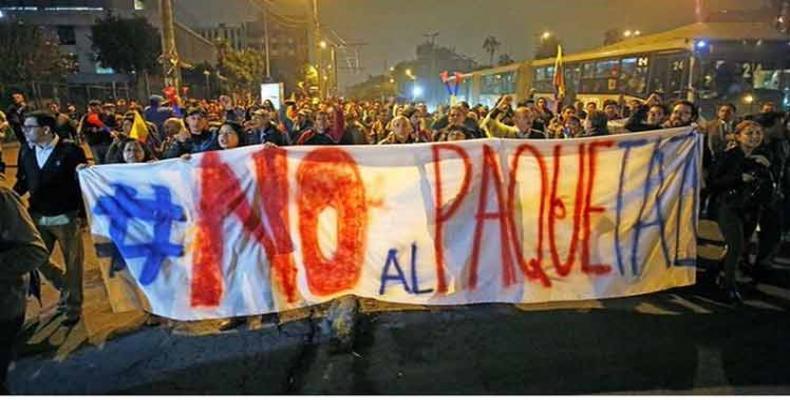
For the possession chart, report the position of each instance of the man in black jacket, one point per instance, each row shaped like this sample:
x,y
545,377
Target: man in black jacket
x,y
198,138
262,130
319,134
47,170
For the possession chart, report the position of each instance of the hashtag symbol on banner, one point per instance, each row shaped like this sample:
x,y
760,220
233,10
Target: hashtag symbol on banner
x,y
124,207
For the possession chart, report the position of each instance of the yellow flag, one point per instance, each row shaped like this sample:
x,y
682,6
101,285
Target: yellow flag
x,y
139,128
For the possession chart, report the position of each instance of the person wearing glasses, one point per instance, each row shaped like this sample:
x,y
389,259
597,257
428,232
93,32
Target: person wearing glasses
x,y
47,170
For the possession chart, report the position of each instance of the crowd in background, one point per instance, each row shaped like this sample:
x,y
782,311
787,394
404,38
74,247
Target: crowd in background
x,y
745,159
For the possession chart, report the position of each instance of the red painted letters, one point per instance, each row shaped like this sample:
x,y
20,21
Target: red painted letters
x,y
534,268
443,215
329,177
557,210
491,165
589,209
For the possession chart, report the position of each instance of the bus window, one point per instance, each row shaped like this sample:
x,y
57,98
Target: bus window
x,y
588,70
607,69
544,80
720,77
603,78
668,74
509,82
572,75
633,76
607,72
501,83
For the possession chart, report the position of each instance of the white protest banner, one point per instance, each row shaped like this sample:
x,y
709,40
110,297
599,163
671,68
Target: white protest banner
x,y
253,230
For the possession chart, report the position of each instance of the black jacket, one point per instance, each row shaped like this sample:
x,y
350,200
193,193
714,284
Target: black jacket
x,y
195,144
726,182
54,189
269,134
636,122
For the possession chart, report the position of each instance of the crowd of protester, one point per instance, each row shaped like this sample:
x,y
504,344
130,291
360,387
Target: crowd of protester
x,y
745,159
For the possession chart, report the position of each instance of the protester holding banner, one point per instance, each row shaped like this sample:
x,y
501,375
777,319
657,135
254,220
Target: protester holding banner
x,y
684,113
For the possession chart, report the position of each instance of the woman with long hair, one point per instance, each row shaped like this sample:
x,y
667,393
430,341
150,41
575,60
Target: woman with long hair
x,y
737,182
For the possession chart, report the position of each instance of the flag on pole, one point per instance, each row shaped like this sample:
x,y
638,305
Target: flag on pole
x,y
559,75
139,128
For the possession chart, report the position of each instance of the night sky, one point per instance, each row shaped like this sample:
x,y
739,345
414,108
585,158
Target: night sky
x,y
393,28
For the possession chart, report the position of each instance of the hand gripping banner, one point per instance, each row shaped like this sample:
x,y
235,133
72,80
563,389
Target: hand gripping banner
x,y
253,230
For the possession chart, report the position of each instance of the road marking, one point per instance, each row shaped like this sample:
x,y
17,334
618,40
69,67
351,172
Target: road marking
x,y
691,306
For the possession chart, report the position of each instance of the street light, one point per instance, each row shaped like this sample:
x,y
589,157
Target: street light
x,y
637,33
416,92
627,33
545,35
207,74
323,44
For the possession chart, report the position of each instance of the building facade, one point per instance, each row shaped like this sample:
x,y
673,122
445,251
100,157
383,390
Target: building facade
x,y
288,44
71,20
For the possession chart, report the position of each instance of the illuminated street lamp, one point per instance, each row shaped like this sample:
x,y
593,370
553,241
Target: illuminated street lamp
x,y
627,33
637,33
546,35
416,92
323,44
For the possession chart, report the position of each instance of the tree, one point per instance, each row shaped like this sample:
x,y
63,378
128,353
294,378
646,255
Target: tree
x,y
546,47
30,54
491,45
504,59
126,44
244,69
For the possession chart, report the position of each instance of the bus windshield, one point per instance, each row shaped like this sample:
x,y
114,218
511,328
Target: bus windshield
x,y
731,70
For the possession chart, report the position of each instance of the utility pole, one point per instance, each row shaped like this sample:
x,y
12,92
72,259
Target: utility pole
x,y
317,44
333,56
266,40
170,61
